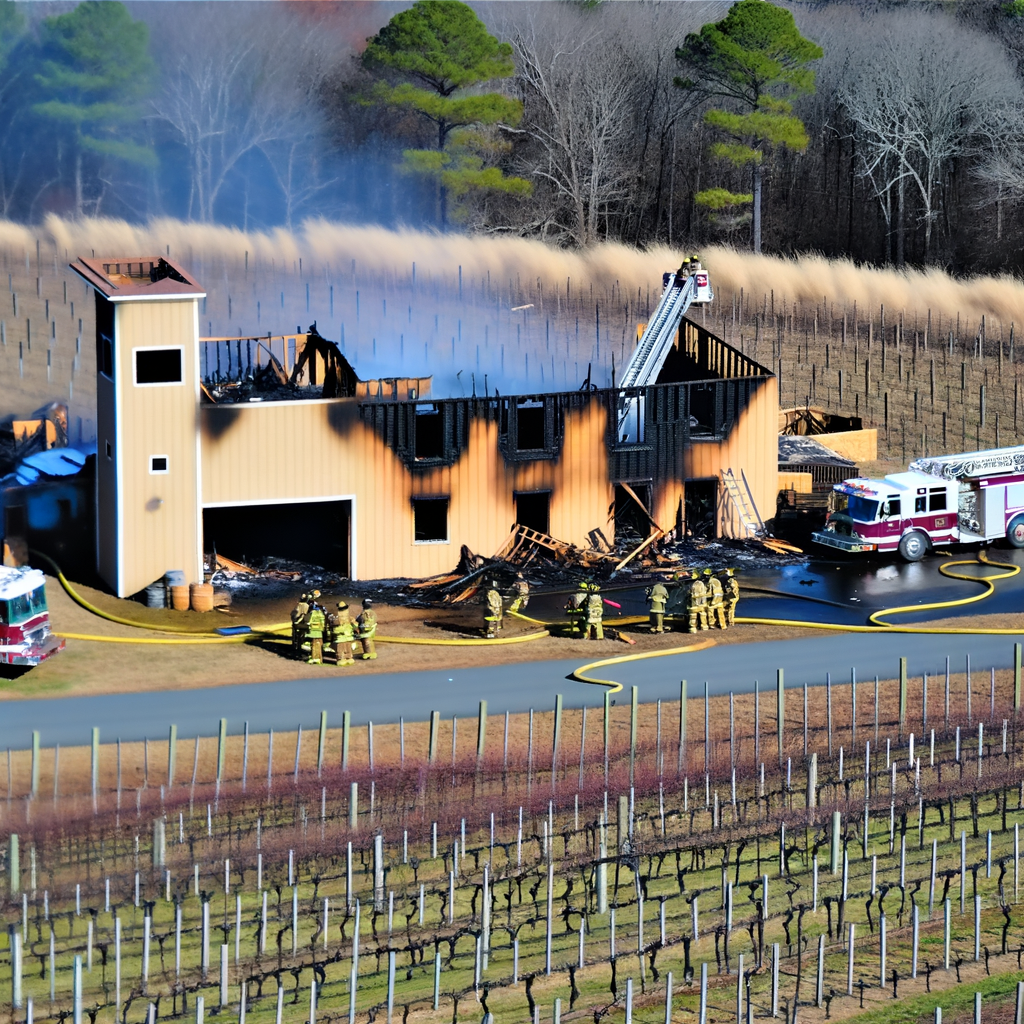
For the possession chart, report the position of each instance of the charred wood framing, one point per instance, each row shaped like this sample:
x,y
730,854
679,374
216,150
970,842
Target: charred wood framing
x,y
709,385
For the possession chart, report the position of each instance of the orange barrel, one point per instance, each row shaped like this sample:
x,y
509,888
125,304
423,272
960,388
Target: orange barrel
x,y
179,598
202,597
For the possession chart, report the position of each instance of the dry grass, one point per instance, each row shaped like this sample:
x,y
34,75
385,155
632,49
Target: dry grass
x,y
75,770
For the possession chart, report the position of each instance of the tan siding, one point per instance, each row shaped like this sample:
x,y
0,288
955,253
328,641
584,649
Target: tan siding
x,y
159,528
752,446
287,452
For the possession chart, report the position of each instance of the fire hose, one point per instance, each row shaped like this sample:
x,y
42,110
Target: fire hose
x,y
271,633
876,620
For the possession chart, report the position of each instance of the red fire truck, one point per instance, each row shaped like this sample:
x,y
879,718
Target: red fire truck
x,y
25,637
972,498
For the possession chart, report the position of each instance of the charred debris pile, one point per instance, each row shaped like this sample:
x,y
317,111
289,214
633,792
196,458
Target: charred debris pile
x,y
546,563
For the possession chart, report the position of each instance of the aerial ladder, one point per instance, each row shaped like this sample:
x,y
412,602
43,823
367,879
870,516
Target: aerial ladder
x,y
688,285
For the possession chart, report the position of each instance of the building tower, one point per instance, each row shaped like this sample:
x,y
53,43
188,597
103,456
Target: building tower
x,y
148,507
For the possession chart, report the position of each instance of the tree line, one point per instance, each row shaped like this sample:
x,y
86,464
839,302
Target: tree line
x,y
877,131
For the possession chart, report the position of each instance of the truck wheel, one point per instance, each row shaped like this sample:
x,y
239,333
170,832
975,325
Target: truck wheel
x,y
914,546
1015,532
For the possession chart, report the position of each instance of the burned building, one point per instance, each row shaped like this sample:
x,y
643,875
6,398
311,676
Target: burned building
x,y
230,443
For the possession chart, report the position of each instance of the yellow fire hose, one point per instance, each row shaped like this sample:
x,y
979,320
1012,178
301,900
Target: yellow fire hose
x,y
270,632
876,619
581,674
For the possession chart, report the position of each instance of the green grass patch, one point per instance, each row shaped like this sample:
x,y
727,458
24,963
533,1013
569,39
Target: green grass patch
x,y
953,1001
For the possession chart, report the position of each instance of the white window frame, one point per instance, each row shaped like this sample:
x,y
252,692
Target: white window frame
x,y
159,472
163,383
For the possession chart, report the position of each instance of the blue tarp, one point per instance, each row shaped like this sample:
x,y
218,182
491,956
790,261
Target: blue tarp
x,y
55,462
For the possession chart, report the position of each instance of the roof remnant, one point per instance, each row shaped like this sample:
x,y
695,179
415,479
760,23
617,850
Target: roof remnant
x,y
138,277
799,450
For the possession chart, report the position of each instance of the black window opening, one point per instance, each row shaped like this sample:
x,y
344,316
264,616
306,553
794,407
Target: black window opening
x,y
429,433
158,366
430,520
700,498
530,427
15,521
104,336
158,464
630,518
702,408
533,510
937,501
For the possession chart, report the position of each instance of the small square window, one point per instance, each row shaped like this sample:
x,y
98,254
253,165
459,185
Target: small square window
x,y
430,520
158,464
110,450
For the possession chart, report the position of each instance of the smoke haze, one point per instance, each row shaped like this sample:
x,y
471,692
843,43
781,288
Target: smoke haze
x,y
527,317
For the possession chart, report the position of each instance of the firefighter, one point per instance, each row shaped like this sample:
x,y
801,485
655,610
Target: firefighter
x,y
657,596
342,633
299,615
696,603
521,590
366,630
595,614
732,595
716,604
575,610
494,611
315,624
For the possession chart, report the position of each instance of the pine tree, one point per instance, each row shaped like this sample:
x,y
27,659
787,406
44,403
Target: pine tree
x,y
756,59
430,56
96,69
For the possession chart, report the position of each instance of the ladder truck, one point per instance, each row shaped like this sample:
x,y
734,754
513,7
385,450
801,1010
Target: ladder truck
x,y
684,287
969,498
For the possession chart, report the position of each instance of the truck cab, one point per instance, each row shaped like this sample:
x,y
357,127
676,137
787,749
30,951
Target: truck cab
x,y
904,512
25,636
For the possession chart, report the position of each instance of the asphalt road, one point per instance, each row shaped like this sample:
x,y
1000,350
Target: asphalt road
x,y
413,695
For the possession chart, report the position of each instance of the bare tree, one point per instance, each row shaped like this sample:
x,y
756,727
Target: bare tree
x,y
578,111
230,89
918,103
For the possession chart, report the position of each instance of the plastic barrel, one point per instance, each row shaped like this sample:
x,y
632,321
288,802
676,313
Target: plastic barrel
x,y
179,598
156,595
202,597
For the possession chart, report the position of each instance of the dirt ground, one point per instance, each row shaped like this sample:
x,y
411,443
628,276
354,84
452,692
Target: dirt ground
x,y
89,667
731,738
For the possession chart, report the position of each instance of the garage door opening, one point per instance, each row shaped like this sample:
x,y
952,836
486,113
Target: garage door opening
x,y
312,532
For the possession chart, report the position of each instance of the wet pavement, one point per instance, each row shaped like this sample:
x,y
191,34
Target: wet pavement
x,y
843,590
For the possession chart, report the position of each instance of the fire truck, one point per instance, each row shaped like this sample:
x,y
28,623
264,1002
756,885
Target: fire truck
x,y
25,636
971,498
